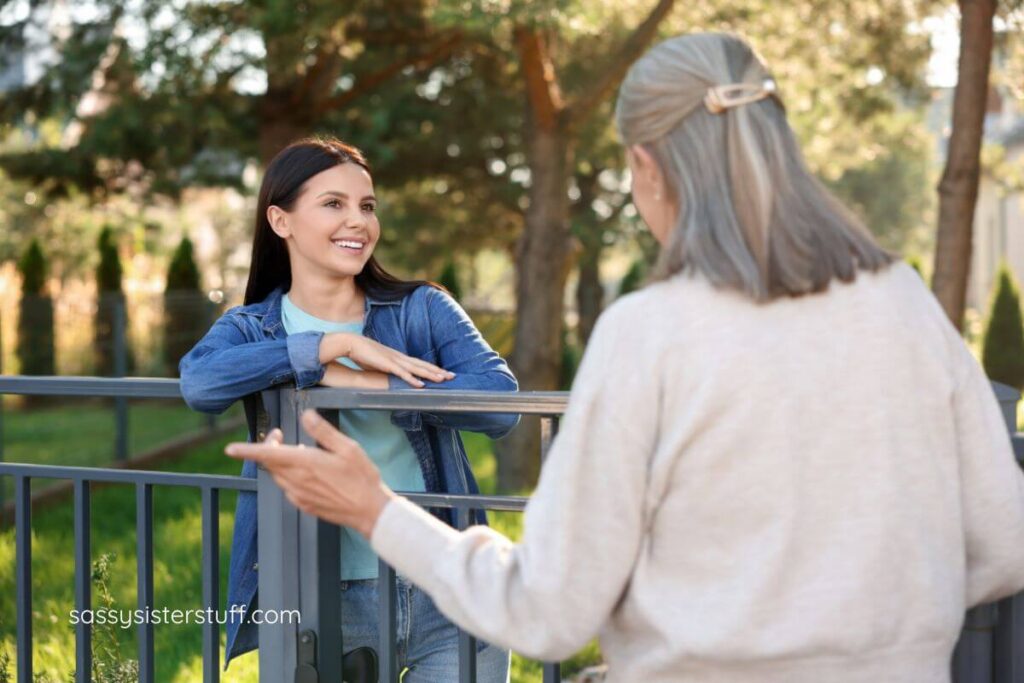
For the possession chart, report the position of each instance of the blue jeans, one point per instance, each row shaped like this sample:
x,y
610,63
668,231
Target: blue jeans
x,y
427,643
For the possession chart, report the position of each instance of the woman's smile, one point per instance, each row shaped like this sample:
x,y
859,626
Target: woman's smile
x,y
350,246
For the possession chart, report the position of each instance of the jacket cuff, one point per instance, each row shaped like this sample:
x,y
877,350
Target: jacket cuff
x,y
408,420
304,355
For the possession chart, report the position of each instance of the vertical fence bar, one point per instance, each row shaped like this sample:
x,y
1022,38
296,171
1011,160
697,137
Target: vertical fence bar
x,y
388,655
278,566
23,574
145,598
120,370
211,584
467,643
1008,638
552,671
320,576
83,583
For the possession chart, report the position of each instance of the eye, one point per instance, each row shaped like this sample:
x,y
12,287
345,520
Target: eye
x,y
332,203
369,208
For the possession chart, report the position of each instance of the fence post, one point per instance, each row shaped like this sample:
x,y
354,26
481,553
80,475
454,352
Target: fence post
x,y
277,567
981,654
120,370
319,559
1008,640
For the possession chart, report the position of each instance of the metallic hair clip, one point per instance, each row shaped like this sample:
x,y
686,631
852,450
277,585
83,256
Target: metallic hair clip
x,y
722,97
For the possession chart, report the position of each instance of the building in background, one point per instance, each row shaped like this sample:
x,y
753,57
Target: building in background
x,y
999,215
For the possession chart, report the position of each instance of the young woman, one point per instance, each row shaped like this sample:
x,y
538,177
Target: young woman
x,y
319,309
779,463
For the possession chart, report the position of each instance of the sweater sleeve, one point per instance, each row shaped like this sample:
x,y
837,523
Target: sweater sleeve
x,y
992,491
584,526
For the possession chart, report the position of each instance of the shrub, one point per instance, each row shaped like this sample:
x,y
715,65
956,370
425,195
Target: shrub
x,y
185,308
110,298
1003,346
35,315
449,279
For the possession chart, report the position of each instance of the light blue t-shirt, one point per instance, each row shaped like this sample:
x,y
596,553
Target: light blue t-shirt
x,y
385,443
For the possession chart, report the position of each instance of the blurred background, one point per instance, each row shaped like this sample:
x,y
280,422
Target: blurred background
x,y
133,134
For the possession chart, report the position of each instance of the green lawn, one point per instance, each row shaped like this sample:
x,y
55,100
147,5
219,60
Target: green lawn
x,y
82,434
177,573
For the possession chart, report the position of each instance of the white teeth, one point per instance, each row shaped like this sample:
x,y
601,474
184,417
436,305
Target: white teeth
x,y
349,244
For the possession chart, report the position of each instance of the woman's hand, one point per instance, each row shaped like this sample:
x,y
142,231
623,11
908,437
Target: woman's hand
x,y
371,355
339,483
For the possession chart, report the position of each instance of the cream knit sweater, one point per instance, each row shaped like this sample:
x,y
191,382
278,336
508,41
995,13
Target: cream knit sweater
x,y
812,490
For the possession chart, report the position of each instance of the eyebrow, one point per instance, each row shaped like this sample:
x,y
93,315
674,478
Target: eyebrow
x,y
342,195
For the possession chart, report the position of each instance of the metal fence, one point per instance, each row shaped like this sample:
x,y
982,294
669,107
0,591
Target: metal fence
x,y
299,555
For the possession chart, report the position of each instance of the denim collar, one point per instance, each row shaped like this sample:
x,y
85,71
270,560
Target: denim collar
x,y
272,308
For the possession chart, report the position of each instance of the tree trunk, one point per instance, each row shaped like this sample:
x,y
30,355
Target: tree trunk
x,y
589,292
958,189
277,130
542,265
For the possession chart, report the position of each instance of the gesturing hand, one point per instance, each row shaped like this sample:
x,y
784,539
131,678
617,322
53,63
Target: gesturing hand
x,y
336,482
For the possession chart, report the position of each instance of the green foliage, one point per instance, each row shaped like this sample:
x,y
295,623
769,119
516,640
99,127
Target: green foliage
x,y
109,271
35,346
634,277
187,312
449,279
183,274
1003,347
892,191
111,308
107,663
33,269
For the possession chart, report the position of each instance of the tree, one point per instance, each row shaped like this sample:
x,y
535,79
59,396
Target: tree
x,y
1003,349
111,309
226,81
544,249
186,310
35,347
958,189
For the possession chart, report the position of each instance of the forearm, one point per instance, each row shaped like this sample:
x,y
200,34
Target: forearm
x,y
340,377
216,373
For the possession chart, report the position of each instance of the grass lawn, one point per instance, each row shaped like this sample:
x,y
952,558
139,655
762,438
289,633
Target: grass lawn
x,y
177,543
81,432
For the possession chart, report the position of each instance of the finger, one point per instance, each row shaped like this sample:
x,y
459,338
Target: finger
x,y
399,371
430,367
276,437
270,455
324,433
427,371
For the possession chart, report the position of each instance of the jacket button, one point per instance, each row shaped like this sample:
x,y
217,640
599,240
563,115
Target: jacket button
x,y
255,566
261,436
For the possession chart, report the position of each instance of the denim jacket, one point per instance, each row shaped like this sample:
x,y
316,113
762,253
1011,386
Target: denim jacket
x,y
247,351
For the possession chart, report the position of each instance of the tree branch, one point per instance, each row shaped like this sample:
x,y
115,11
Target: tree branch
x,y
371,81
542,89
610,77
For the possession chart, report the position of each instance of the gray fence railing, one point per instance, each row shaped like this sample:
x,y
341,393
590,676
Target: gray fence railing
x,y
299,555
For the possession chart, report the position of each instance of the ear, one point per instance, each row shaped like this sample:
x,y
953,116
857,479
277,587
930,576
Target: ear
x,y
278,219
647,166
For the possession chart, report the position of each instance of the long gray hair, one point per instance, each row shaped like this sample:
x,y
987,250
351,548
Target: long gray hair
x,y
751,216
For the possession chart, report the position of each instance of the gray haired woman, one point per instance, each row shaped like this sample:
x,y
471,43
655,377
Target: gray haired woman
x,y
779,463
